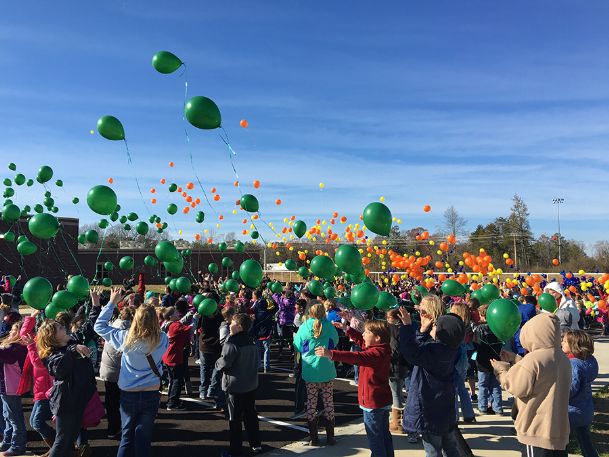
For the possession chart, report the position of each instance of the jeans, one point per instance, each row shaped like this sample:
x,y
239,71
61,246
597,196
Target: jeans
x,y
68,427
435,444
396,392
138,411
15,433
377,430
176,382
463,396
242,408
215,389
113,407
585,441
264,352
208,363
41,413
489,386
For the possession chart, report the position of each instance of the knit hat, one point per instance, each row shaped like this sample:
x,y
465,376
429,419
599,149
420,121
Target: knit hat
x,y
450,330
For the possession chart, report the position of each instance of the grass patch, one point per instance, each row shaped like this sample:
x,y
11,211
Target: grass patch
x,y
600,425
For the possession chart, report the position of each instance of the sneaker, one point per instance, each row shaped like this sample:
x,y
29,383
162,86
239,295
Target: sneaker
x,y
203,396
198,362
291,375
353,383
256,450
176,408
412,438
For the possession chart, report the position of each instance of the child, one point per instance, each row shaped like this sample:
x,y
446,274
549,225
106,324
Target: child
x,y
462,364
540,383
430,406
579,347
74,384
398,372
12,359
264,311
179,337
239,366
488,348
373,391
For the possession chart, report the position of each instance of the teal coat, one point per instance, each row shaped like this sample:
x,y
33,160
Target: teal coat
x,y
316,369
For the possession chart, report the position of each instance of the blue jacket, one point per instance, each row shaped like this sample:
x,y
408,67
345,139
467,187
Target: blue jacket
x,y
264,310
581,407
316,369
527,312
430,405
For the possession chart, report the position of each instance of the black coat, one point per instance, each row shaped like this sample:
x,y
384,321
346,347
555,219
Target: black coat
x,y
74,380
399,367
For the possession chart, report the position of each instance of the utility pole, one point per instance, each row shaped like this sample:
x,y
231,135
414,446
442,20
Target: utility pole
x,y
557,202
515,251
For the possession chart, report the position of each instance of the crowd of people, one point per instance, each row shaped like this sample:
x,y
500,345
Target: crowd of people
x,y
419,367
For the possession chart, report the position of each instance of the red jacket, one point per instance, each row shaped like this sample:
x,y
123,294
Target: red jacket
x,y
36,370
179,337
373,389
141,285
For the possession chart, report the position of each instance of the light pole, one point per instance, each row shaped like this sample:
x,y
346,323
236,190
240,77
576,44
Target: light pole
x,y
557,202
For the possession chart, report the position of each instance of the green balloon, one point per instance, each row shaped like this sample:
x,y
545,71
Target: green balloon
x,y
132,217
386,301
452,288
102,200
222,247
9,236
165,62
203,113
167,280
102,224
330,292
166,251
231,285
45,173
348,258
212,268
123,219
150,261
82,239
75,200
377,218
64,299
9,192
108,266
29,182
364,296
59,183
547,302
12,166
37,292
323,267
303,272
49,202
78,286
489,293
51,311
21,238
418,293
173,187
200,217
172,284
141,228
477,294
235,275
249,203
198,299
207,307
110,128
345,301
19,179
11,213
251,273
126,263
107,282
91,236
227,262
503,318
172,208
300,228
174,267
316,288
12,280
7,182
239,246
183,285
26,248
276,287
43,226
255,235
291,265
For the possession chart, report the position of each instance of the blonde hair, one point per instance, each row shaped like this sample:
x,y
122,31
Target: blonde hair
x,y
46,338
9,340
461,310
317,312
144,330
433,306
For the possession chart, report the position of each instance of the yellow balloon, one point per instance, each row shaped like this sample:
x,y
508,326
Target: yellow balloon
x,y
321,185
506,256
399,221
180,231
92,132
461,263
217,225
432,242
439,252
450,270
417,253
234,211
382,199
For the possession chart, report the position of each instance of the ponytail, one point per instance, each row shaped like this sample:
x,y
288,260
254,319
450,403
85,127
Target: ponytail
x,y
318,313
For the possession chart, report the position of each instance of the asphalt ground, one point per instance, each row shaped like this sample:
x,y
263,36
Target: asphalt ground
x,y
200,432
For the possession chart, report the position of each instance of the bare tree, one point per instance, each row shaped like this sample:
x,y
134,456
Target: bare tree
x,y
453,222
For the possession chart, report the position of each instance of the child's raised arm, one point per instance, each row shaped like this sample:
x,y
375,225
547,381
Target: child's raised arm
x,y
102,325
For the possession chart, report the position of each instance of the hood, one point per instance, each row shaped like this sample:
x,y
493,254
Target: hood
x,y
450,330
590,367
555,287
541,332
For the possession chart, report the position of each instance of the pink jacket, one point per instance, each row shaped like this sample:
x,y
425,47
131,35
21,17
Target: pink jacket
x,y
43,381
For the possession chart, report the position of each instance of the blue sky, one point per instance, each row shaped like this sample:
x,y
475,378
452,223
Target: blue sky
x,y
441,103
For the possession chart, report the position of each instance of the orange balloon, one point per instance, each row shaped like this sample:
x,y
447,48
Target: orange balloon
x,y
197,236
163,181
171,164
217,197
236,184
569,275
278,202
153,201
213,190
198,201
343,220
186,209
256,184
555,262
179,190
243,123
190,186
427,208
153,190
189,199
110,180
221,217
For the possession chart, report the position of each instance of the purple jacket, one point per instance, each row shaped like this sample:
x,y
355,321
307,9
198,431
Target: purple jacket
x,y
12,359
287,309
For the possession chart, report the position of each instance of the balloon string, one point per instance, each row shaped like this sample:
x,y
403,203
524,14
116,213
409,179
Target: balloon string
x,y
137,182
101,247
70,251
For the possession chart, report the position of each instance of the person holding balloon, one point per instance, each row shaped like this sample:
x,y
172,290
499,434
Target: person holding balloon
x,y
564,304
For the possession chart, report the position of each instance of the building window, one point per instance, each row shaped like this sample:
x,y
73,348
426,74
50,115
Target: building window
x,y
100,271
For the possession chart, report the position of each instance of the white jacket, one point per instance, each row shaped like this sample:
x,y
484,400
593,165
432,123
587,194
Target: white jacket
x,y
565,303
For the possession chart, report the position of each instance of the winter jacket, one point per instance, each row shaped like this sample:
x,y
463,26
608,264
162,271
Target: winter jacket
x,y
12,359
43,381
74,379
239,364
141,285
374,363
179,336
488,347
209,338
581,406
264,310
316,369
399,367
430,405
566,304
540,382
86,335
135,373
287,309
110,366
527,312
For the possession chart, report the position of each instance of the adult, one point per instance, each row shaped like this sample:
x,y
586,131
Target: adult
x,y
209,351
565,304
